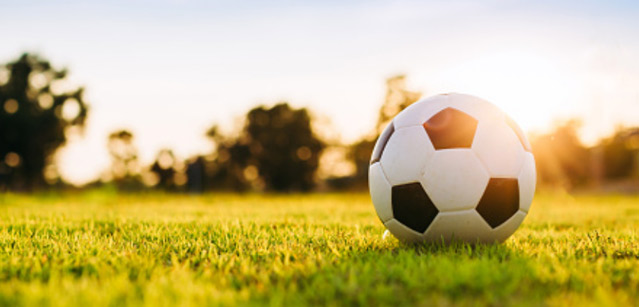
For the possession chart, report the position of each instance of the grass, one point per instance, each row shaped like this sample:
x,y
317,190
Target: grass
x,y
106,250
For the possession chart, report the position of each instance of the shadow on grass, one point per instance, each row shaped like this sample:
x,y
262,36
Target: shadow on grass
x,y
422,274
456,247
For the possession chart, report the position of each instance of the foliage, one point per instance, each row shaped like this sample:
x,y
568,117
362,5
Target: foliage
x,y
164,170
125,167
562,159
102,250
277,150
36,110
360,154
226,170
621,153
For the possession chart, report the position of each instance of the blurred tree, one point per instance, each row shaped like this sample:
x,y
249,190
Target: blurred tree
x,y
196,174
276,150
37,108
620,153
398,97
360,154
125,168
561,158
166,171
284,150
225,171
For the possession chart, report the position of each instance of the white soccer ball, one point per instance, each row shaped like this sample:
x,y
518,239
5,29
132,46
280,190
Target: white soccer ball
x,y
452,167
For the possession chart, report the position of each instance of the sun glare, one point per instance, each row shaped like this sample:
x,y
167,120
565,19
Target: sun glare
x,y
530,88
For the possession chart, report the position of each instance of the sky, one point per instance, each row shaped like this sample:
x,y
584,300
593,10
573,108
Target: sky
x,y
168,70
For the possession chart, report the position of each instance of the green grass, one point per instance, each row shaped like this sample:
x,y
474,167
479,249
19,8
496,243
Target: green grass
x,y
101,249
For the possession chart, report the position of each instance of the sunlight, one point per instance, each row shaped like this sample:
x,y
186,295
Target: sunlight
x,y
530,88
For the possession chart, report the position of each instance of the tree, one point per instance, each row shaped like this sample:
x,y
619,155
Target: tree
x,y
276,150
196,174
36,111
226,171
620,153
283,147
561,158
165,171
125,168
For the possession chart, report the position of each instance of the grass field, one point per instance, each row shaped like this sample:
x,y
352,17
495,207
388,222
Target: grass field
x,y
103,249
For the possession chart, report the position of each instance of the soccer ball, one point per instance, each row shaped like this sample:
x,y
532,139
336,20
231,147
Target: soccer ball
x,y
452,167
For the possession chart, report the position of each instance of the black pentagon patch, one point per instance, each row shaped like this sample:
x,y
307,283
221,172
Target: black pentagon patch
x,y
500,201
451,128
382,141
412,206
520,134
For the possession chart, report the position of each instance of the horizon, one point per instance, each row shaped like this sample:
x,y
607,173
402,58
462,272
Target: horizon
x,y
538,62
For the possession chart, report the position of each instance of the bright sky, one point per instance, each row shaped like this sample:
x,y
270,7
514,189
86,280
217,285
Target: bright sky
x,y
168,70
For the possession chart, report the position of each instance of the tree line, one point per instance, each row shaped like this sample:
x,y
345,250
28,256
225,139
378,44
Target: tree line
x,y
277,149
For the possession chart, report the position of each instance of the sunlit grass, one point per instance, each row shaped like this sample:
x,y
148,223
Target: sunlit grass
x,y
103,249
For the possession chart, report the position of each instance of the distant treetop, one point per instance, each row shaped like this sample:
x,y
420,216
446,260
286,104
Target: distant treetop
x,y
37,108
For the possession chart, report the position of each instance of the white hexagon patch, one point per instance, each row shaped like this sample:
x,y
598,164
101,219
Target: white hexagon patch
x,y
455,179
467,226
498,147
